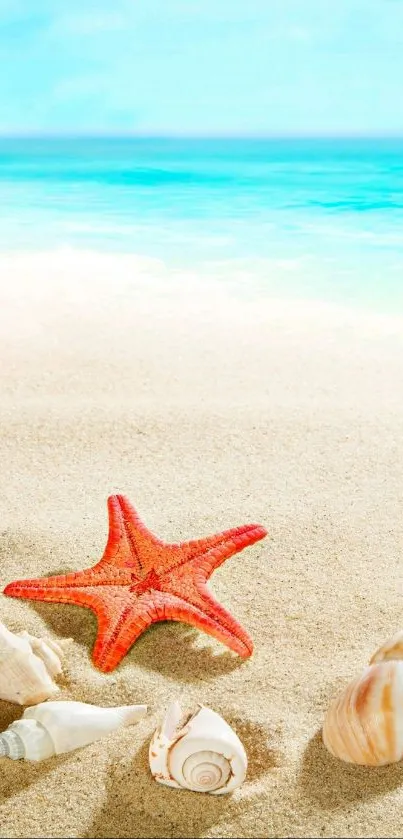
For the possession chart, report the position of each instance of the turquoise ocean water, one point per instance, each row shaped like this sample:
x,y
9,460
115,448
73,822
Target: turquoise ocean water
x,y
304,218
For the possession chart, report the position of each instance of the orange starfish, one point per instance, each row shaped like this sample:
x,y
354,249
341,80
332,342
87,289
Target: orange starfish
x,y
141,580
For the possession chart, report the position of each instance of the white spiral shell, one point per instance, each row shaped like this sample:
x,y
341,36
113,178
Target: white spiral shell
x,y
364,725
52,728
202,755
206,771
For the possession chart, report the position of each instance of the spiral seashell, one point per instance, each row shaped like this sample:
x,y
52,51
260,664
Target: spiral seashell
x,y
206,771
202,753
364,725
53,728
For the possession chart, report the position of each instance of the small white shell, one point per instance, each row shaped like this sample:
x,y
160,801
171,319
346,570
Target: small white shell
x,y
27,667
364,725
53,728
203,754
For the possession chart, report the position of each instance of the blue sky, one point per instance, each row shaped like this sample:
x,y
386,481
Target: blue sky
x,y
201,66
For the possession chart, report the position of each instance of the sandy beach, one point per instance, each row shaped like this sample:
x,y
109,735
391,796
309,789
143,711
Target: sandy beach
x,y
209,408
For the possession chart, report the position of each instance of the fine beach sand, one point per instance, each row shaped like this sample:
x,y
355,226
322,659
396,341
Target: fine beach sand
x,y
208,408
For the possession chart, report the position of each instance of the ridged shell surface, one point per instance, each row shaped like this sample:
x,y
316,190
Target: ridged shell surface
x,y
364,725
205,771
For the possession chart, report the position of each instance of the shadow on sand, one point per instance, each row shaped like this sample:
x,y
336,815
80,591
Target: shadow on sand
x,y
334,785
137,806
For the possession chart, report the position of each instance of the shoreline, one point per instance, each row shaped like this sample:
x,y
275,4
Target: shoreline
x,y
138,269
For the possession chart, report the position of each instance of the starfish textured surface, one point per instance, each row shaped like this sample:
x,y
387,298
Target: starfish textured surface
x,y
141,580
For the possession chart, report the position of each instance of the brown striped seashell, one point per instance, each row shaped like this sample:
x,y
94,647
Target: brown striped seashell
x,y
364,725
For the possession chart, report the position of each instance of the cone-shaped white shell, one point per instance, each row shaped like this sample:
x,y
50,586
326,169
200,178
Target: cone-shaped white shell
x,y
364,725
27,667
203,755
52,728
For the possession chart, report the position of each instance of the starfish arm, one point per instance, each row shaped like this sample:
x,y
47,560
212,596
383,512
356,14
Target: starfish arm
x,y
43,588
105,601
193,591
208,554
212,618
59,589
226,620
129,541
118,630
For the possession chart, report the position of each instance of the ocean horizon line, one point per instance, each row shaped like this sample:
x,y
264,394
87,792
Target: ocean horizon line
x,y
167,136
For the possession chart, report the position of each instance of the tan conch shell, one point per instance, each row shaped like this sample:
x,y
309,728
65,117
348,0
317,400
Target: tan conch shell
x,y
53,728
28,666
364,725
201,753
